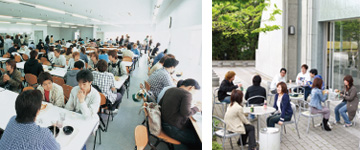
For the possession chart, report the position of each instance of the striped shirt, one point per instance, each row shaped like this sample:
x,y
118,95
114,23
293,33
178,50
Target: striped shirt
x,y
105,81
158,80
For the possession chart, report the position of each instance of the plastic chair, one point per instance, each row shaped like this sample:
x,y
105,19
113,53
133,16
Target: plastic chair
x,y
253,97
307,113
67,90
141,137
43,59
31,79
293,106
269,92
216,102
28,88
100,128
106,107
127,58
223,133
58,80
147,86
7,55
162,137
47,63
25,57
17,58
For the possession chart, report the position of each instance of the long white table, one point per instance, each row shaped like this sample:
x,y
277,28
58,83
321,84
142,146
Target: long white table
x,y
82,127
109,48
134,55
120,83
127,63
196,121
56,71
2,59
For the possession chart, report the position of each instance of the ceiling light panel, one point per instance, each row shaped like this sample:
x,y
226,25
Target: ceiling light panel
x,y
50,9
53,21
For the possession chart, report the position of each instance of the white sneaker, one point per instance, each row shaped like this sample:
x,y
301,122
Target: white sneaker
x,y
115,111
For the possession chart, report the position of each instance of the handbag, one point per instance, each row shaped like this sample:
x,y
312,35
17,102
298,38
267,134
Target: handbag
x,y
152,112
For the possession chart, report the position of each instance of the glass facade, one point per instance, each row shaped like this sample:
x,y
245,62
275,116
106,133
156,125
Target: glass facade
x,y
343,49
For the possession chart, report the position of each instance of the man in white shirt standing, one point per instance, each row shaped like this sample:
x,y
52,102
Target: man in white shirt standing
x,y
277,79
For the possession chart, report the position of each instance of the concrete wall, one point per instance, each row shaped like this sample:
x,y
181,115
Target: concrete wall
x,y
337,9
269,55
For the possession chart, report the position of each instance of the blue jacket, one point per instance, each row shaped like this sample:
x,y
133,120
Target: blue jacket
x,y
317,97
285,106
158,57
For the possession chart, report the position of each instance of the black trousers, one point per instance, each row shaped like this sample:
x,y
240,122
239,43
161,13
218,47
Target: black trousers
x,y
250,132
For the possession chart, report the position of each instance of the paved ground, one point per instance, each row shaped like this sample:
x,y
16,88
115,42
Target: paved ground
x,y
340,138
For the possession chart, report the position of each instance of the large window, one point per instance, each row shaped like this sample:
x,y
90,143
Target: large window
x,y
343,49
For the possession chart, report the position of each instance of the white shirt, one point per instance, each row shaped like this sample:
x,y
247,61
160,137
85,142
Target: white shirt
x,y
7,44
60,61
278,103
51,56
300,78
89,107
74,49
277,79
68,45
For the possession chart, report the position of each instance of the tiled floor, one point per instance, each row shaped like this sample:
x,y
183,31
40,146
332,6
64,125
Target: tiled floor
x,y
340,138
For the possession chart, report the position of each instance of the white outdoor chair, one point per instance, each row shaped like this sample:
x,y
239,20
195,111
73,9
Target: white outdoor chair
x,y
269,92
223,133
306,112
293,106
217,102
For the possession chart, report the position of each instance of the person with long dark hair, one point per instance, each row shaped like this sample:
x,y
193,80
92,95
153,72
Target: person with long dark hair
x,y
237,122
317,97
47,40
349,104
155,50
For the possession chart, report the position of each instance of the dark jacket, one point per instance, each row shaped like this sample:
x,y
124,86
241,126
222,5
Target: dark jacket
x,y
14,82
285,106
225,86
33,66
352,101
70,78
255,91
12,49
176,107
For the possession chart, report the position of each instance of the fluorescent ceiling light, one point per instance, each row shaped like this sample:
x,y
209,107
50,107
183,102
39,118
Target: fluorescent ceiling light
x,y
4,22
2,16
41,24
23,23
74,27
12,1
53,21
80,25
159,2
89,26
69,23
31,19
54,25
50,9
79,16
96,20
65,26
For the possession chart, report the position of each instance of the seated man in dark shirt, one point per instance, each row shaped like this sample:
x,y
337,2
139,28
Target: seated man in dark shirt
x,y
256,90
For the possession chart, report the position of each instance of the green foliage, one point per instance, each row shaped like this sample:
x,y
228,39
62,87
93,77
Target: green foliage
x,y
216,146
236,27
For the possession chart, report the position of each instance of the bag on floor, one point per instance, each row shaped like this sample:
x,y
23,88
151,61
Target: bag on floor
x,y
141,95
154,117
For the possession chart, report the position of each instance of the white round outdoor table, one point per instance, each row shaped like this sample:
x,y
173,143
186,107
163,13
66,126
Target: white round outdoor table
x,y
259,111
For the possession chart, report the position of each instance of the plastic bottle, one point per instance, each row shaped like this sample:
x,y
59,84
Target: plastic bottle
x,y
265,104
252,108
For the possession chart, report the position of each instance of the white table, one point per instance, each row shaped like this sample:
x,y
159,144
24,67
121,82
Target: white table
x,y
20,65
135,56
196,121
2,59
109,48
89,51
120,83
127,63
259,111
82,127
56,71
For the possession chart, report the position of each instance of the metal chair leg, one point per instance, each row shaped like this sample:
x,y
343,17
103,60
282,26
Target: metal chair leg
x,y
313,122
231,144
308,126
285,129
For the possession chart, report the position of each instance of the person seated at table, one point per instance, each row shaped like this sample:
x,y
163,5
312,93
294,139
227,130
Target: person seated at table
x,y
74,48
155,50
163,91
13,49
256,90
94,59
176,111
22,132
11,79
32,45
106,82
127,52
32,65
52,92
103,55
282,105
68,55
159,56
83,55
68,44
84,98
135,50
236,120
227,85
59,60
160,64
57,45
76,57
40,45
116,67
24,48
162,78
349,104
51,55
70,76
316,98
277,79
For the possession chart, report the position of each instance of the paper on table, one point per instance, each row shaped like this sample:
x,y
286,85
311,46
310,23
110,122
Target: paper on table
x,y
197,116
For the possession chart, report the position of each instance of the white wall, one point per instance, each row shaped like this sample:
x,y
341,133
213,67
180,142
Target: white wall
x,y
16,28
185,35
136,31
269,56
53,31
337,9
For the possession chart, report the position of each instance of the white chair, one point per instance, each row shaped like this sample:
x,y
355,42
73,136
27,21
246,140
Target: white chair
x,y
216,101
307,113
269,92
223,133
253,97
293,106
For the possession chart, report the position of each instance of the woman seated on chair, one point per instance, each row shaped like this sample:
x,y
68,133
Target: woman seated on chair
x,y
316,98
227,85
349,104
237,122
282,106
176,111
52,92
11,79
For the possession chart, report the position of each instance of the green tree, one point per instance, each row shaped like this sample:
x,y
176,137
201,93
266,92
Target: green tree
x,y
236,27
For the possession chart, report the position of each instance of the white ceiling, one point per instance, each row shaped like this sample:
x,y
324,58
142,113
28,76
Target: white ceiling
x,y
119,12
